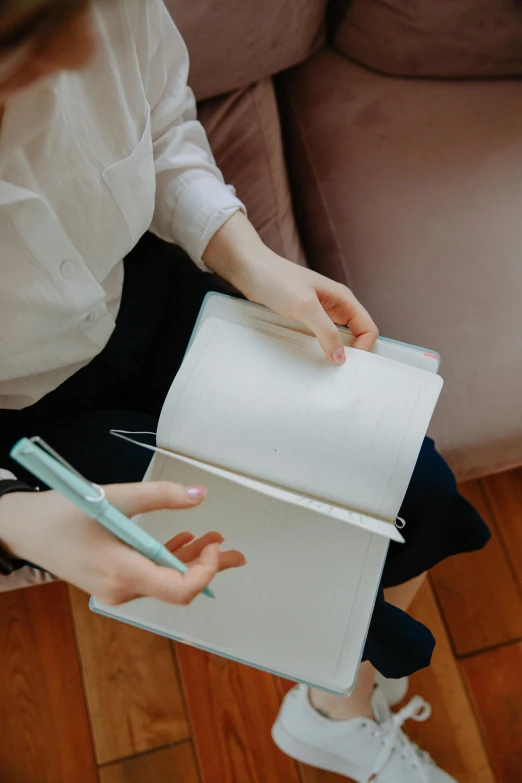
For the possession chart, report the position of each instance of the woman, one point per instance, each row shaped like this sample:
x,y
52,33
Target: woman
x,y
99,144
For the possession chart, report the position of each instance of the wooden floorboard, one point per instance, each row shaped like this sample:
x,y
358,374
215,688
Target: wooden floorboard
x,y
479,594
504,493
451,735
495,682
314,775
308,774
120,703
131,684
176,764
232,709
45,736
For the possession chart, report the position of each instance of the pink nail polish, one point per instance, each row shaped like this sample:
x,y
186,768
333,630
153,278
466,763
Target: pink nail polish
x,y
196,493
339,356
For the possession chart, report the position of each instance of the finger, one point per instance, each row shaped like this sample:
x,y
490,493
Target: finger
x,y
350,312
363,328
172,587
313,315
226,561
179,541
231,559
150,496
194,549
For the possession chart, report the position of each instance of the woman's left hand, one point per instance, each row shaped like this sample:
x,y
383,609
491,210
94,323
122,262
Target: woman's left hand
x,y
237,253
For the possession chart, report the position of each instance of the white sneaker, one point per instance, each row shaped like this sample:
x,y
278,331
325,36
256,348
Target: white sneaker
x,y
360,748
394,690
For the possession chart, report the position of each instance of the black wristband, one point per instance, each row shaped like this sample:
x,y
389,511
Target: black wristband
x,y
8,563
14,485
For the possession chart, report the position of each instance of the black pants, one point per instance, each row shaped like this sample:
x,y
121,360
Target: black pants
x,y
125,387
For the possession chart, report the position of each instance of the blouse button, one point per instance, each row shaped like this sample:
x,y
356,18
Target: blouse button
x,y
68,269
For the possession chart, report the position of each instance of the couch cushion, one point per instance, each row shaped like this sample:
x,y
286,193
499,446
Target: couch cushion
x,y
235,42
245,136
411,192
460,38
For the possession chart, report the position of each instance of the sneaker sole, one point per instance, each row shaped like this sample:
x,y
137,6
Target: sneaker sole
x,y
315,757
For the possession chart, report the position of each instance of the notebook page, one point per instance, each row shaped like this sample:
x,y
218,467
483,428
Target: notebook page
x,y
269,404
371,524
290,608
228,308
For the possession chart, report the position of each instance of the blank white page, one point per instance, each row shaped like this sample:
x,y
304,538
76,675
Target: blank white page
x,y
302,604
268,403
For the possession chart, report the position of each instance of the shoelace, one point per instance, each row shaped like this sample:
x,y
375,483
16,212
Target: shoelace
x,y
393,739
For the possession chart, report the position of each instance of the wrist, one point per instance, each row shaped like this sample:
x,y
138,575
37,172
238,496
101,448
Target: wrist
x,y
234,250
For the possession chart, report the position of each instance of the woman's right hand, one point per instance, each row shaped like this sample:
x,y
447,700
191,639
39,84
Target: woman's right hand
x,y
46,529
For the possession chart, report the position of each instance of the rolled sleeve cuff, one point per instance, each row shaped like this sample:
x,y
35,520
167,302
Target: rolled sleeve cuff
x,y
202,207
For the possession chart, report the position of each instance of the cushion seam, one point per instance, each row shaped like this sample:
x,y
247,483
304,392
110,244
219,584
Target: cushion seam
x,y
277,203
322,197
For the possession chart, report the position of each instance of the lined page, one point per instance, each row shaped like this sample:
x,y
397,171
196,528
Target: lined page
x,y
229,308
269,404
290,609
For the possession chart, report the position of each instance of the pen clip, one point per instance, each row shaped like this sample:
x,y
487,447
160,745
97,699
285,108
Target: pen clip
x,y
52,453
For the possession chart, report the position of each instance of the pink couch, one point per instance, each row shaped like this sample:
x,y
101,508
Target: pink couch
x,y
407,188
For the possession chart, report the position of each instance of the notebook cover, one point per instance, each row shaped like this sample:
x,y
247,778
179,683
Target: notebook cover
x,y
106,611
109,612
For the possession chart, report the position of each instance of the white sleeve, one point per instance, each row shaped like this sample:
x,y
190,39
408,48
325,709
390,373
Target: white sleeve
x,y
192,200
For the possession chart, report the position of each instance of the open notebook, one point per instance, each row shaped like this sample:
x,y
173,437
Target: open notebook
x,y
306,466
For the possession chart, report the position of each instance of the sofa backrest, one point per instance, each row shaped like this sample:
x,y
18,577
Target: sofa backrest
x,y
439,38
233,43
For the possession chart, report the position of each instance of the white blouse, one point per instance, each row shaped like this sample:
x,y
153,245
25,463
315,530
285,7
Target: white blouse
x,y
88,162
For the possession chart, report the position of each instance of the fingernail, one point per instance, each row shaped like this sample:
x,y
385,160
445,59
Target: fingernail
x,y
196,493
243,562
339,356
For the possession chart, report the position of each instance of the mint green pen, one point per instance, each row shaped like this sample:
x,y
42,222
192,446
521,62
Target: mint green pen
x,y
43,462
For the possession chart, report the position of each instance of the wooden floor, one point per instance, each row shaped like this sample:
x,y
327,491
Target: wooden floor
x,y
87,700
